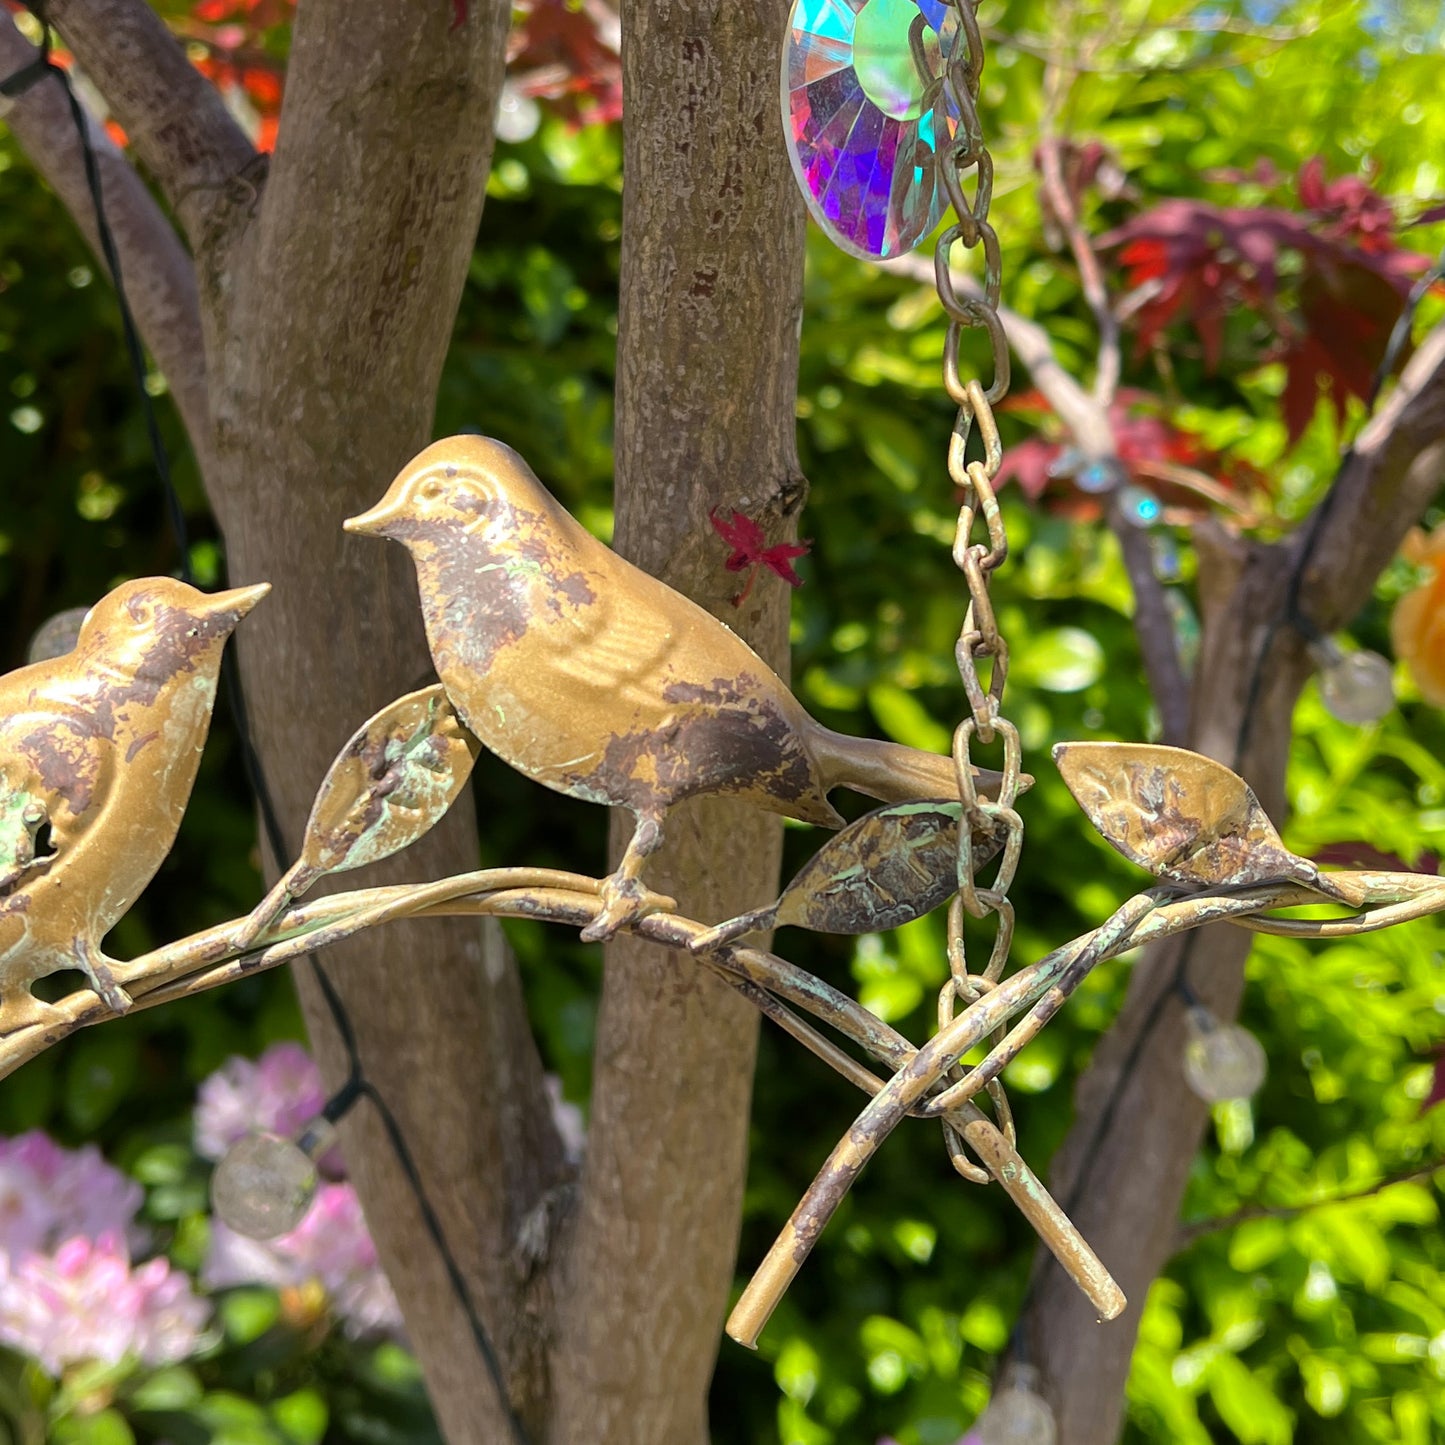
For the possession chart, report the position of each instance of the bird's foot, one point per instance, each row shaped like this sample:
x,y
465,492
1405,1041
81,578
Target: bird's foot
x,y
100,971
624,901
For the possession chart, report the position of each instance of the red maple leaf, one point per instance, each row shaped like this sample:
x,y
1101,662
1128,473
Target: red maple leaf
x,y
751,553
1437,1085
1196,262
568,53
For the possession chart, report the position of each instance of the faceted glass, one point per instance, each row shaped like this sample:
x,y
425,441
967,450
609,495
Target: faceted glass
x,y
865,130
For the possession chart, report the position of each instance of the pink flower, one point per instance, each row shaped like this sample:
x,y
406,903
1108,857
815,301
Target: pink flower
x,y
86,1302
331,1245
49,1194
279,1093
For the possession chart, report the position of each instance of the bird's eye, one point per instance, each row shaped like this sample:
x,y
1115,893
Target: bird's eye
x,y
430,490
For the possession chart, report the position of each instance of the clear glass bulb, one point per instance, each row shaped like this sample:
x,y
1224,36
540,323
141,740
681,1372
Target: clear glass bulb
x,y
1017,1414
1101,475
1355,687
1222,1061
264,1186
56,635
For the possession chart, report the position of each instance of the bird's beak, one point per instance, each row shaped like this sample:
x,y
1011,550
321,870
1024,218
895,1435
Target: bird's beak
x,y
234,604
376,522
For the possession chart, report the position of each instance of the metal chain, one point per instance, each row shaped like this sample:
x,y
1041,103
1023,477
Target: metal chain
x,y
957,89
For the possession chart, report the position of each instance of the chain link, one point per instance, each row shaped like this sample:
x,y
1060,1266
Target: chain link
x,y
979,640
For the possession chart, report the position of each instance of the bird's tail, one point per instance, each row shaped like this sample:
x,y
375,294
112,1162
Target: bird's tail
x,y
891,772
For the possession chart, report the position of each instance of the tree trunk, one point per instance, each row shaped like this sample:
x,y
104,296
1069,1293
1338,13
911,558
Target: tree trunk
x,y
712,243
326,330
1122,1170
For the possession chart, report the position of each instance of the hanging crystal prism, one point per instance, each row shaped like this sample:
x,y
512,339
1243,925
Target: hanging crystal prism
x,y
865,128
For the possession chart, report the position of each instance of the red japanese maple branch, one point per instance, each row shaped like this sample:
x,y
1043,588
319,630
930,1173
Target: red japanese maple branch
x,y
172,115
1091,275
159,277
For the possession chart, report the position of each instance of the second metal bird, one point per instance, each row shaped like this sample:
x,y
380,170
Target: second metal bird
x,y
98,752
596,679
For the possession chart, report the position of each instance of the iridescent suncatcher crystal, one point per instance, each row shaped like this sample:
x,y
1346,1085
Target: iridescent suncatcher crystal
x,y
864,127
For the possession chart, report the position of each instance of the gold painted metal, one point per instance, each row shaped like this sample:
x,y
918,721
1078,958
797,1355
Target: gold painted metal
x,y
884,870
98,752
590,676
1181,815
392,782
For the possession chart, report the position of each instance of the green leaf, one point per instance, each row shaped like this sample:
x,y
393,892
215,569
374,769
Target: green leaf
x,y
248,1313
106,1427
906,720
176,1388
1247,1405
303,1416
102,1072
1062,659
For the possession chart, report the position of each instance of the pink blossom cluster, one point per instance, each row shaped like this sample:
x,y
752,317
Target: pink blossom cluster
x,y
86,1301
68,1289
280,1093
331,1245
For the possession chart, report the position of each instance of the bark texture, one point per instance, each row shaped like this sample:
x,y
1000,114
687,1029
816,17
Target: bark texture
x,y
305,342
1121,1173
327,330
712,242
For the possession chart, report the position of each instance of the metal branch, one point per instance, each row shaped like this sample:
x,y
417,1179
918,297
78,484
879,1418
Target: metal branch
x,y
160,280
920,1077
172,115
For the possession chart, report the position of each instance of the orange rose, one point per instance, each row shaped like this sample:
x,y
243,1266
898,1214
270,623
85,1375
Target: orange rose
x,y
1417,628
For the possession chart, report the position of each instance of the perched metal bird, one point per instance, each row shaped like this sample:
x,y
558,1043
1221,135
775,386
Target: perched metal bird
x,y
589,675
98,752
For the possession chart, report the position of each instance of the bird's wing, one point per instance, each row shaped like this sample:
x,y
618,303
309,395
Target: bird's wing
x,y
60,757
619,648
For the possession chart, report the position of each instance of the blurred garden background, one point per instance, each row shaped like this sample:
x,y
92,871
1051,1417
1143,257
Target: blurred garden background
x,y
1308,141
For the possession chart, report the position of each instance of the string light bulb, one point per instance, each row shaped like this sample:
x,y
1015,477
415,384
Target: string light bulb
x,y
1221,1061
1355,687
1017,1414
264,1186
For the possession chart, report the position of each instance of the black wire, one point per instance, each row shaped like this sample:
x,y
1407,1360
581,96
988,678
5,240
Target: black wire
x,y
16,84
357,1084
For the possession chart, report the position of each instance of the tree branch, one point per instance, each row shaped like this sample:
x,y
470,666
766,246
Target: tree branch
x,y
1086,421
1123,1166
1188,1233
1091,275
172,115
706,382
326,330
1387,479
159,278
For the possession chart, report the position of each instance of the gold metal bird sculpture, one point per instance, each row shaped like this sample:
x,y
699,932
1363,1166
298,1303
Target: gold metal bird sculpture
x,y
589,675
98,752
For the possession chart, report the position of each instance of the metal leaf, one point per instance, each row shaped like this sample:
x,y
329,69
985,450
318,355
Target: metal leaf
x,y
891,866
1182,816
391,783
